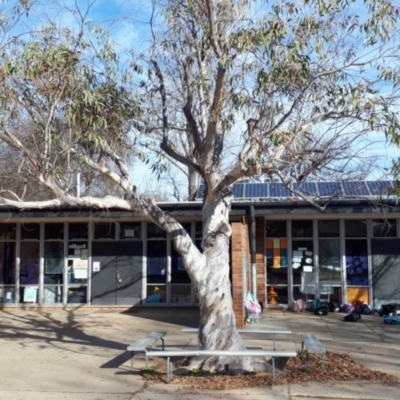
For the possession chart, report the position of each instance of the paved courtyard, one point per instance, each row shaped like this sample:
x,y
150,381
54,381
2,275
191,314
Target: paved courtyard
x,y
81,354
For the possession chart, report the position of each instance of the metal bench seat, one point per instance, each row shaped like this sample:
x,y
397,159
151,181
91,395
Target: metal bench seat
x,y
313,346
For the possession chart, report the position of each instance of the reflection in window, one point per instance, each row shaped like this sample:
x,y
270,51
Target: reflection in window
x,y
328,228
277,261
8,231
30,232
329,262
302,261
78,231
302,229
104,230
77,272
53,262
275,229
54,231
356,228
29,263
155,232
178,271
7,263
156,261
384,228
357,262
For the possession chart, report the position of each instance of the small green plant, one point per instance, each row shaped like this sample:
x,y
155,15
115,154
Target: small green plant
x,y
150,372
195,370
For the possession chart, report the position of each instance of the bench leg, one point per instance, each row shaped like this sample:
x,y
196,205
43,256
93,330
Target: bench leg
x,y
323,362
132,355
162,343
169,370
274,340
147,361
273,368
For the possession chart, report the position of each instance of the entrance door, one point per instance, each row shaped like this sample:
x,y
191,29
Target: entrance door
x,y
119,279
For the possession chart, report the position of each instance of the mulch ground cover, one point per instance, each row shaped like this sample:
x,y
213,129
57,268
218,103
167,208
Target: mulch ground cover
x,y
337,367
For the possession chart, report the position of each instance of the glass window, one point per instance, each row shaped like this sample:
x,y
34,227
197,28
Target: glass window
x,y
181,294
29,264
76,295
384,228
275,229
30,232
277,261
356,228
178,271
130,230
277,295
330,269
104,230
328,228
77,262
7,263
302,229
156,261
8,231
155,232
78,231
53,262
303,264
198,226
54,231
357,262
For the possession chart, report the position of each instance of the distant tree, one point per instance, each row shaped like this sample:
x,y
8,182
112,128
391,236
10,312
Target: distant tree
x,y
297,87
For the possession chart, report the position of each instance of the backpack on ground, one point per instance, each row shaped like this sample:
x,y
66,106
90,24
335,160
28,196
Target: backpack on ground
x,y
389,309
334,306
323,310
298,305
391,319
352,317
315,305
348,308
364,309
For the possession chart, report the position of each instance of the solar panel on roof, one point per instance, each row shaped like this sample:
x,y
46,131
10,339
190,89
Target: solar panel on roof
x,y
307,188
238,190
358,188
329,189
379,188
279,190
256,190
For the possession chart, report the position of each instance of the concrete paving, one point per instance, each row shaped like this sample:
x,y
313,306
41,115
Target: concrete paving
x,y
81,354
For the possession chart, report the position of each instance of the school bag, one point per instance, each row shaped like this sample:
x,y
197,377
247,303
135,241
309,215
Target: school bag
x,y
334,306
391,319
389,309
348,308
298,305
352,317
323,310
315,305
364,309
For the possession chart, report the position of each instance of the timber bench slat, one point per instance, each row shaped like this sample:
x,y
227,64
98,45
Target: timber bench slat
x,y
142,345
313,346
223,353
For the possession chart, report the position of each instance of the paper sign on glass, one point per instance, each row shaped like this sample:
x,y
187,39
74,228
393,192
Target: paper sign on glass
x,y
96,266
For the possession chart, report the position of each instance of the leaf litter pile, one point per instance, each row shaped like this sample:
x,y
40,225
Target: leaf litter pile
x,y
337,367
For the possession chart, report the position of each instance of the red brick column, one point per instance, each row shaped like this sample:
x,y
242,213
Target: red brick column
x,y
240,249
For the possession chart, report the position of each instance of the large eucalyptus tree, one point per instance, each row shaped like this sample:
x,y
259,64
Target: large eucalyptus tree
x,y
294,88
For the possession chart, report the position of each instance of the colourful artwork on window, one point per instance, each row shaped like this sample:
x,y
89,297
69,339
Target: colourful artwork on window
x,y
276,253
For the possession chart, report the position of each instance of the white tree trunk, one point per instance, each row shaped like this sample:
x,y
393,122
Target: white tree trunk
x,y
217,328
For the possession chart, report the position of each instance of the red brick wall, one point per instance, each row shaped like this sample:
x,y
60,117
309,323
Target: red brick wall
x,y
240,246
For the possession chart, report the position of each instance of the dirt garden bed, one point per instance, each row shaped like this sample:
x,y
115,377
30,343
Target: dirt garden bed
x,y
338,367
